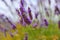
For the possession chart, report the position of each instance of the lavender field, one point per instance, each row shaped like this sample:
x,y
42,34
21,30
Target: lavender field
x,y
29,19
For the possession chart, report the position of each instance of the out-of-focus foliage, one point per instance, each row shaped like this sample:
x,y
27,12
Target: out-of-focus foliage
x,y
50,33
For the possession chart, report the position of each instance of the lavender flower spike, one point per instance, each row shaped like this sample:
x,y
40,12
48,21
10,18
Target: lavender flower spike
x,y
46,23
22,2
30,15
13,26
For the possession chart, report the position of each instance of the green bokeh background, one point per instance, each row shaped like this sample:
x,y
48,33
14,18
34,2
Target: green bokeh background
x,y
52,32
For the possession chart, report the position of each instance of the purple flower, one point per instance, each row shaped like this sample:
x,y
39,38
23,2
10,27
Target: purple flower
x,y
22,22
25,18
49,1
59,23
27,21
13,26
35,25
22,2
36,15
18,12
57,11
1,15
30,15
46,23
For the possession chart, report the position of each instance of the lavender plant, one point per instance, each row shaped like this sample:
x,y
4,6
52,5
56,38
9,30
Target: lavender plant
x,y
36,13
